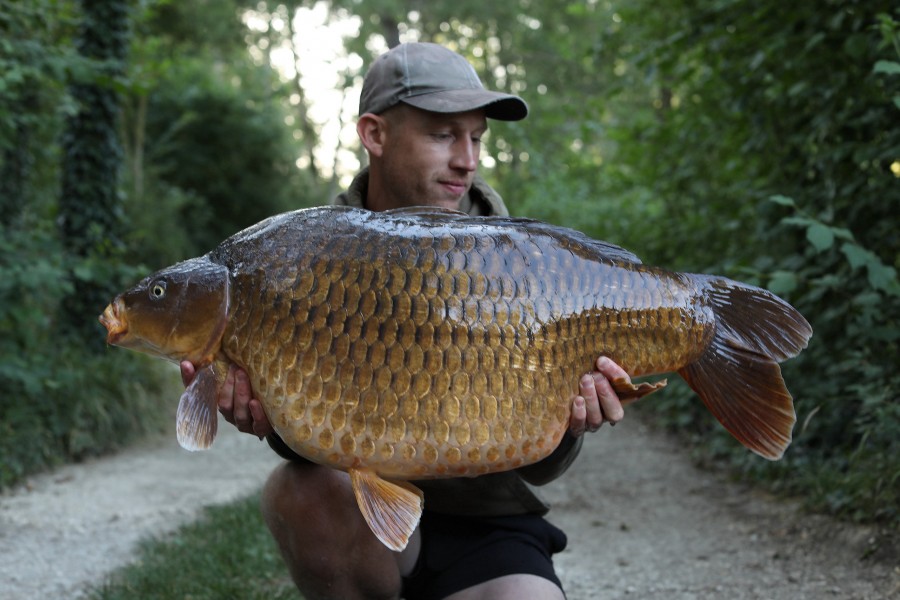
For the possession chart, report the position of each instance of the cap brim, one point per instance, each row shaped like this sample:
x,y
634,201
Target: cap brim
x,y
502,107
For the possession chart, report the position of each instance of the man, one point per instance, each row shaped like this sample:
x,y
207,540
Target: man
x,y
423,112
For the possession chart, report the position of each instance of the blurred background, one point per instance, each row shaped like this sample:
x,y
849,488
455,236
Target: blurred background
x,y
756,139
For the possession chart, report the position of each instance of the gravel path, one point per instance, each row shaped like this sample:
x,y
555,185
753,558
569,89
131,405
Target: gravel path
x,y
656,528
642,523
72,526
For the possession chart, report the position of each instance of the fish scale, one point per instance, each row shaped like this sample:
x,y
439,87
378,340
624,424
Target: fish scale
x,y
413,346
422,343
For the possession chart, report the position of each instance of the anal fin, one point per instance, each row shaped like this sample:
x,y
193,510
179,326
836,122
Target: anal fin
x,y
392,509
196,421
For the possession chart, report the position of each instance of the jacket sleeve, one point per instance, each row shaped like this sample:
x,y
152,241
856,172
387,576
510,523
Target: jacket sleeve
x,y
281,449
545,471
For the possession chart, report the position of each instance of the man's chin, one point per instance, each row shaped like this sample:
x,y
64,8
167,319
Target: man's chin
x,y
448,203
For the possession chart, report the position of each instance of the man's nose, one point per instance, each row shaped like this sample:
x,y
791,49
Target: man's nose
x,y
465,155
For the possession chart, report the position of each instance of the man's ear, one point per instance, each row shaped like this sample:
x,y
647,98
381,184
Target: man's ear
x,y
372,130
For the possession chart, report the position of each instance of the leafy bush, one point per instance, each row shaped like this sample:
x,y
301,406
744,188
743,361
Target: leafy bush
x,y
797,104
61,402
851,413
217,160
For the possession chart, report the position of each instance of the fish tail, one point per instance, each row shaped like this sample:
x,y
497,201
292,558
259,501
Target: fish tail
x,y
738,377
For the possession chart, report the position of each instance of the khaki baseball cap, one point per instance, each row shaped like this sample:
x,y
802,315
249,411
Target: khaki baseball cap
x,y
433,78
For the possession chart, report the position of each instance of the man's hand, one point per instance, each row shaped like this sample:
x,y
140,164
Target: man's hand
x,y
597,403
236,401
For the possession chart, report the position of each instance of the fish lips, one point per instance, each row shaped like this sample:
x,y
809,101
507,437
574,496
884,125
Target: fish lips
x,y
116,328
119,334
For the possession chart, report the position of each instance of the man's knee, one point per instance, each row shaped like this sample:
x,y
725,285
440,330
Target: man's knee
x,y
300,515
304,497
329,550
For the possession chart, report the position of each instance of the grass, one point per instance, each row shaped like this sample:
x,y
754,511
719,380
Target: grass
x,y
228,553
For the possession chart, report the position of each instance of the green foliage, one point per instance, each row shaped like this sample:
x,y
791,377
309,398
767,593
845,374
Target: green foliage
x,y
63,254
33,63
90,209
224,146
227,554
60,401
207,149
851,418
796,103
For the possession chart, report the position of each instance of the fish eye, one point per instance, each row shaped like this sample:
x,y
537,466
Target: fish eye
x,y
158,290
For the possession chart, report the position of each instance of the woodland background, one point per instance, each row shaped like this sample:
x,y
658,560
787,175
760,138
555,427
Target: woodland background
x,y
756,139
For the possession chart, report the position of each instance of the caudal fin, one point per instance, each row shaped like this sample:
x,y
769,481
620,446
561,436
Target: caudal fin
x,y
738,377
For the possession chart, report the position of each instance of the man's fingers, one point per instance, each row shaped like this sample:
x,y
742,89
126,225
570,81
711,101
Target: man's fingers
x,y
579,417
188,372
241,405
586,413
237,405
261,426
226,396
610,369
608,401
594,413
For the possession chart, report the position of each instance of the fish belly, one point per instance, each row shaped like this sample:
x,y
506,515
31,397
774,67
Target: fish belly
x,y
424,352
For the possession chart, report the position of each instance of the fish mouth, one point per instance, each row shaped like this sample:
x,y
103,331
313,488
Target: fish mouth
x,y
116,328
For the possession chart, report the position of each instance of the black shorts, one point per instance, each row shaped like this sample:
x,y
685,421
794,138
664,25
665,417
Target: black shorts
x,y
459,552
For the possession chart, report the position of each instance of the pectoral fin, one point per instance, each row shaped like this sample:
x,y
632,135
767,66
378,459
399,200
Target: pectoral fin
x,y
392,509
197,420
629,392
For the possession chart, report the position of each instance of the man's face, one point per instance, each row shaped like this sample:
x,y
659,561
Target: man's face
x,y
430,158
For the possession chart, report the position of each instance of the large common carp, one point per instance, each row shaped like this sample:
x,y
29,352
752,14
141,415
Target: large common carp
x,y
422,343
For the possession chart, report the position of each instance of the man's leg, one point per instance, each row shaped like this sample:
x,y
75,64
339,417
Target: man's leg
x,y
486,558
511,587
324,540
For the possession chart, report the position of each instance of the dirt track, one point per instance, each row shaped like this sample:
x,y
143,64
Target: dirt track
x,y
642,523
